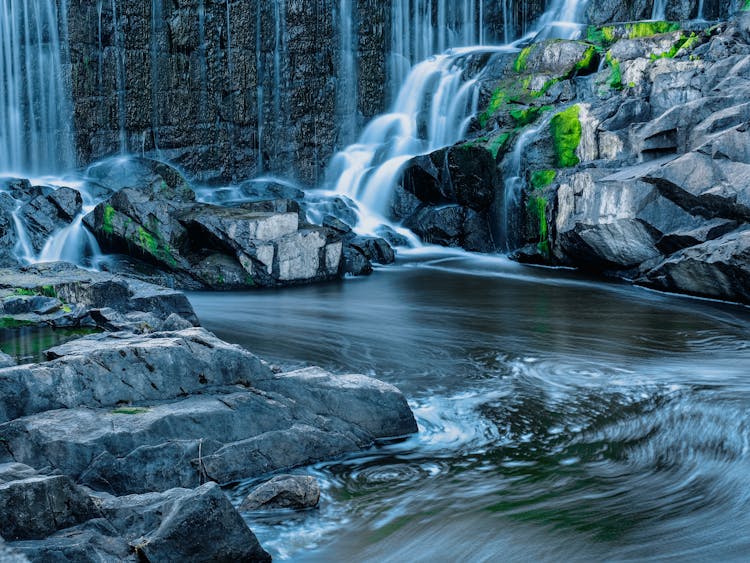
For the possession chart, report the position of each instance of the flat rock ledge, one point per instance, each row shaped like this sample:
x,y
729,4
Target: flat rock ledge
x,y
112,448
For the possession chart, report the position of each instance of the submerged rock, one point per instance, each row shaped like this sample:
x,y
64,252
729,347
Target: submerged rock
x,y
295,492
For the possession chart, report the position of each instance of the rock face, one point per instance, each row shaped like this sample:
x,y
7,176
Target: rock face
x,y
284,491
636,166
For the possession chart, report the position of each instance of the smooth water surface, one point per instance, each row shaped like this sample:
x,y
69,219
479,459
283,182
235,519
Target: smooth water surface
x,y
560,419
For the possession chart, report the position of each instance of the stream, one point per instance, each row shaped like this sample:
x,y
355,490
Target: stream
x,y
560,418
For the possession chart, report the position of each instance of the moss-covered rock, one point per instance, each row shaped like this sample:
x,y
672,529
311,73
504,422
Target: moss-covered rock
x,y
566,131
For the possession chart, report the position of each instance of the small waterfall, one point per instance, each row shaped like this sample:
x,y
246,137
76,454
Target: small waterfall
x,y
120,63
435,101
346,91
432,110
515,182
700,16
157,26
35,128
259,167
422,28
659,11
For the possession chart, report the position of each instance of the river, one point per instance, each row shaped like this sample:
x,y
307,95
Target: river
x,y
560,418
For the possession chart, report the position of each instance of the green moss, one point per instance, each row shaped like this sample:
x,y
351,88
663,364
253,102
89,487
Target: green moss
x,y
746,7
107,219
67,309
153,245
48,291
499,98
540,179
537,208
649,29
249,281
525,116
615,79
588,61
24,291
686,42
603,36
498,143
566,135
130,410
545,88
520,64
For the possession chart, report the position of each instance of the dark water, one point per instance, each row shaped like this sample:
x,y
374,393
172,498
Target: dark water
x,y
26,344
560,419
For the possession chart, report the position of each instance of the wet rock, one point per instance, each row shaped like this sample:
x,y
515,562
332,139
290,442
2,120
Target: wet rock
x,y
184,525
230,433
376,250
268,190
6,360
336,224
8,235
10,555
61,294
391,236
296,492
38,506
44,215
718,269
356,263
105,370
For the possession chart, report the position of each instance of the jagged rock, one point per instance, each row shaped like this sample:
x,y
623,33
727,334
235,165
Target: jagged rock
x,y
80,296
718,269
267,423
376,250
105,370
261,244
38,506
6,360
356,263
284,491
8,235
45,214
262,191
184,525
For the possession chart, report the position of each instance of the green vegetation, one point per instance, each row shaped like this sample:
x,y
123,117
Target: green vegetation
x,y
537,208
540,179
649,29
566,135
107,219
615,79
746,7
130,410
152,244
525,116
686,42
603,36
520,64
498,143
24,291
588,60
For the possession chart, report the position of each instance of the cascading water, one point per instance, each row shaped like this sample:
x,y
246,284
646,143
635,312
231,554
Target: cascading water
x,y
435,101
346,91
35,130
659,11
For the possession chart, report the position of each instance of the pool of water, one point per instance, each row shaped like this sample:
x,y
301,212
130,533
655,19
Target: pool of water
x,y
560,418
26,344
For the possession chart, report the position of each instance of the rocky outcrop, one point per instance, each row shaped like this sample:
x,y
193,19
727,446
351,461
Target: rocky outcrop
x,y
62,295
635,166
134,428
295,492
155,217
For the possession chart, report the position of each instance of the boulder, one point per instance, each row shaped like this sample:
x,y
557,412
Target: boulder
x,y
718,269
8,235
106,370
62,295
227,434
38,506
296,492
46,214
6,360
184,525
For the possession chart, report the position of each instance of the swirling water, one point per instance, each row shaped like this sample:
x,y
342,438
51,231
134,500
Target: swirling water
x,y
560,419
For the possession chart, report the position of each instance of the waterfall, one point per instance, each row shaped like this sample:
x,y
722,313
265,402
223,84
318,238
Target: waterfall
x,y
259,88
435,101
156,52
346,91
700,16
422,28
120,63
35,128
660,10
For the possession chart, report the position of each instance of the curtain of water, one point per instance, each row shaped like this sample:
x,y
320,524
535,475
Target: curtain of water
x,y
35,130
